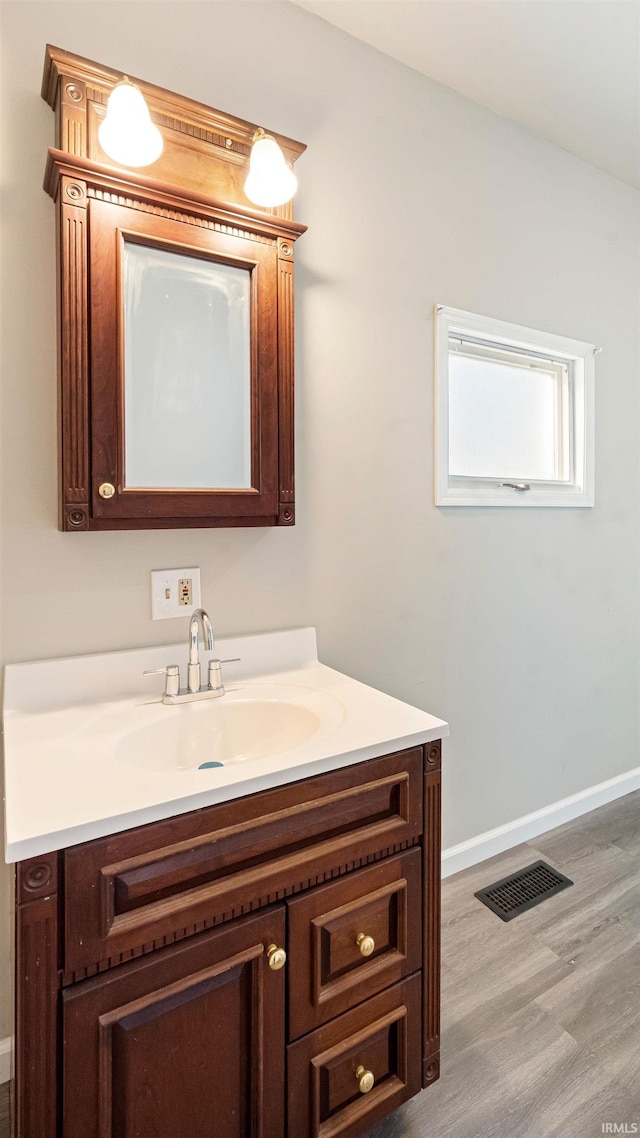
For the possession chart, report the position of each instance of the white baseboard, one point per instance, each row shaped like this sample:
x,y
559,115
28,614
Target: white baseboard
x,y
6,1059
531,825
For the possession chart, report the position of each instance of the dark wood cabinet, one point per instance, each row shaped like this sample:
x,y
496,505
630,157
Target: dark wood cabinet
x,y
175,306
151,995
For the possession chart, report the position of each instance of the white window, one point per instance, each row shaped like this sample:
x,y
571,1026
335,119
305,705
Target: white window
x,y
514,414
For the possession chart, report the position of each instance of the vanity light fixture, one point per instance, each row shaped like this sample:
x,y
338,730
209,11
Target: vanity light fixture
x,y
271,181
127,134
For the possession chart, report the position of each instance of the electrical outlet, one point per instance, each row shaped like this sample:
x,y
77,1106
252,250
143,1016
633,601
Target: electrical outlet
x,y
174,592
185,592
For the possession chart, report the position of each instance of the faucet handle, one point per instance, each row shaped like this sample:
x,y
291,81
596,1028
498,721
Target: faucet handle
x,y
215,673
172,672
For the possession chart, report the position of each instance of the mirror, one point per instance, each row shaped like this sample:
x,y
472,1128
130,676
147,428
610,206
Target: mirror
x,y
187,370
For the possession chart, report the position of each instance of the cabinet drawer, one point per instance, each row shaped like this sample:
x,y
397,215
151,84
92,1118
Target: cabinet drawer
x,y
138,889
382,1037
333,965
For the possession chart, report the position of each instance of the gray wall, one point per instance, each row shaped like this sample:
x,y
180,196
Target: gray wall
x,y
521,628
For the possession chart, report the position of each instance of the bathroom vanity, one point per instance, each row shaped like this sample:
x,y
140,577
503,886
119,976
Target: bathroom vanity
x,y
256,960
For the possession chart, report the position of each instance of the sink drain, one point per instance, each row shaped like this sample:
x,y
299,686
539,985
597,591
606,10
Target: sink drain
x,y
204,766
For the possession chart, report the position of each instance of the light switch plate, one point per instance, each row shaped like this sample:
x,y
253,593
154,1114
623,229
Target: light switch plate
x,y
168,590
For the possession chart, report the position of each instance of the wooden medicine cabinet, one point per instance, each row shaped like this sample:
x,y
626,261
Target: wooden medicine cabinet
x,y
175,299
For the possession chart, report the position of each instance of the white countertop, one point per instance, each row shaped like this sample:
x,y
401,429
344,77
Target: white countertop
x,y
65,720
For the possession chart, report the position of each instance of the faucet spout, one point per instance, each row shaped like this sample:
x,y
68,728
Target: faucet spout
x,y
194,690
199,619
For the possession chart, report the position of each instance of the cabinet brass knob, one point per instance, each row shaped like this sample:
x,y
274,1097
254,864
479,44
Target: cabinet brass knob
x,y
365,1079
277,957
106,490
365,943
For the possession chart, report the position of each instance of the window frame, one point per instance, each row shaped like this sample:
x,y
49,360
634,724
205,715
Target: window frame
x,y
577,490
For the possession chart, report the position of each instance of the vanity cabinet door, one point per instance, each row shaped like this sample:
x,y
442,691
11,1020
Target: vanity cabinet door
x,y
189,1041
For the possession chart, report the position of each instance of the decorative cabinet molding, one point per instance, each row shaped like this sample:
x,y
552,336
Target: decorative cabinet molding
x,y
153,993
192,205
432,875
37,952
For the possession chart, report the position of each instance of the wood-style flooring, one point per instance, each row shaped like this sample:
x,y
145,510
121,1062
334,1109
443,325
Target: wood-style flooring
x,y
541,1016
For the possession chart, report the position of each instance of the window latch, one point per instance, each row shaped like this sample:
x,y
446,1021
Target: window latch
x,y
516,485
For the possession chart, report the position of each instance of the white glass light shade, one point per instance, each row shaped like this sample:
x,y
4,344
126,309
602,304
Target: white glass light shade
x,y
270,181
127,134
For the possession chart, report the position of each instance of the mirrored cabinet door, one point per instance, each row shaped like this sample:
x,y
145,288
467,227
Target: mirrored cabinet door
x,y
182,332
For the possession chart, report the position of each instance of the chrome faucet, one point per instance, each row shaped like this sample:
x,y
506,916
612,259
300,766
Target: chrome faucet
x,y
198,618
173,693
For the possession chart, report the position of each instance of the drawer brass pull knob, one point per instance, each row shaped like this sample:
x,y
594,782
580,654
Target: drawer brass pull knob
x,y
277,957
365,943
365,1080
106,490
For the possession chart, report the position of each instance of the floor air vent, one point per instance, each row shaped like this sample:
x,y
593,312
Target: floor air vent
x,y
521,891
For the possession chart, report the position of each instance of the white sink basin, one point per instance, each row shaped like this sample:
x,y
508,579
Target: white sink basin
x,y
249,723
89,749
